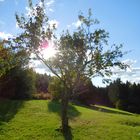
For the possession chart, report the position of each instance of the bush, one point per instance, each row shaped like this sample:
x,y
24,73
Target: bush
x,y
42,95
121,104
55,88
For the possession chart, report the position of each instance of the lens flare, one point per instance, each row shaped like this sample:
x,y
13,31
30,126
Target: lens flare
x,y
48,49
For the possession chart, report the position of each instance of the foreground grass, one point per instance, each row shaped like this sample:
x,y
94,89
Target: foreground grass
x,y
39,119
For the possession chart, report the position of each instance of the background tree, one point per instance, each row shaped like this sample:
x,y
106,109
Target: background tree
x,y
79,54
114,91
16,79
6,58
86,92
118,93
17,83
55,88
42,82
102,98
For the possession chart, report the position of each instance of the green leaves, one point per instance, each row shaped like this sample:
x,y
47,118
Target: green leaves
x,y
35,27
6,59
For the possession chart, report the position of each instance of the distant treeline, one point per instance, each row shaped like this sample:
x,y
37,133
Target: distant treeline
x,y
24,83
124,96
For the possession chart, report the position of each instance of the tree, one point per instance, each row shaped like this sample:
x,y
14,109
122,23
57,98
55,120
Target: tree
x,y
86,92
15,77
6,58
114,91
17,83
118,93
12,55
80,53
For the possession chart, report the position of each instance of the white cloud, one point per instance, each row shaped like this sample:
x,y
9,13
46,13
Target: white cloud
x,y
51,10
41,71
39,67
2,0
131,74
49,3
48,8
130,62
17,27
53,22
5,35
77,23
74,24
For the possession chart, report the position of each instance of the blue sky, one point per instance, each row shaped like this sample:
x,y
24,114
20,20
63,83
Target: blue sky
x,y
121,18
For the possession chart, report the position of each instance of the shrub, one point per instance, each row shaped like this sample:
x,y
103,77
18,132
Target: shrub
x,y
121,104
55,88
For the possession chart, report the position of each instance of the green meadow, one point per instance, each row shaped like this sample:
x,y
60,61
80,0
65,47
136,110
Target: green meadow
x,y
40,120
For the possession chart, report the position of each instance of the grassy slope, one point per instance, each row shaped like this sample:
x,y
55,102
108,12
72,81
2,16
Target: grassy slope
x,y
38,119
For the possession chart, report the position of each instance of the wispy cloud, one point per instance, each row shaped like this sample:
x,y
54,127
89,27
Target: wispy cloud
x,y
131,74
74,24
2,0
77,23
50,3
39,67
48,7
5,35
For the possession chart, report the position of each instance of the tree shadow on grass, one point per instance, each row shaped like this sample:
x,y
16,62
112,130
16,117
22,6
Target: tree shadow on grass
x,y
94,107
54,106
8,109
68,135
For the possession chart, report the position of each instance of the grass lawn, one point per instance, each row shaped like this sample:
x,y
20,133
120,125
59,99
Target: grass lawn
x,y
39,119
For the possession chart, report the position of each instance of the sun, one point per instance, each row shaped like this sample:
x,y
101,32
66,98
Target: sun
x,y
48,49
49,52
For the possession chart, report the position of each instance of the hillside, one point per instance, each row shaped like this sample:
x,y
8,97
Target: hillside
x,y
39,120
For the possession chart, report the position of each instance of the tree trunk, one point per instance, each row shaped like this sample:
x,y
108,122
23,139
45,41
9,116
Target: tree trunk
x,y
64,113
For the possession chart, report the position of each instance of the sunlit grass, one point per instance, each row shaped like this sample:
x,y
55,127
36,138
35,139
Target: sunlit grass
x,y
39,119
